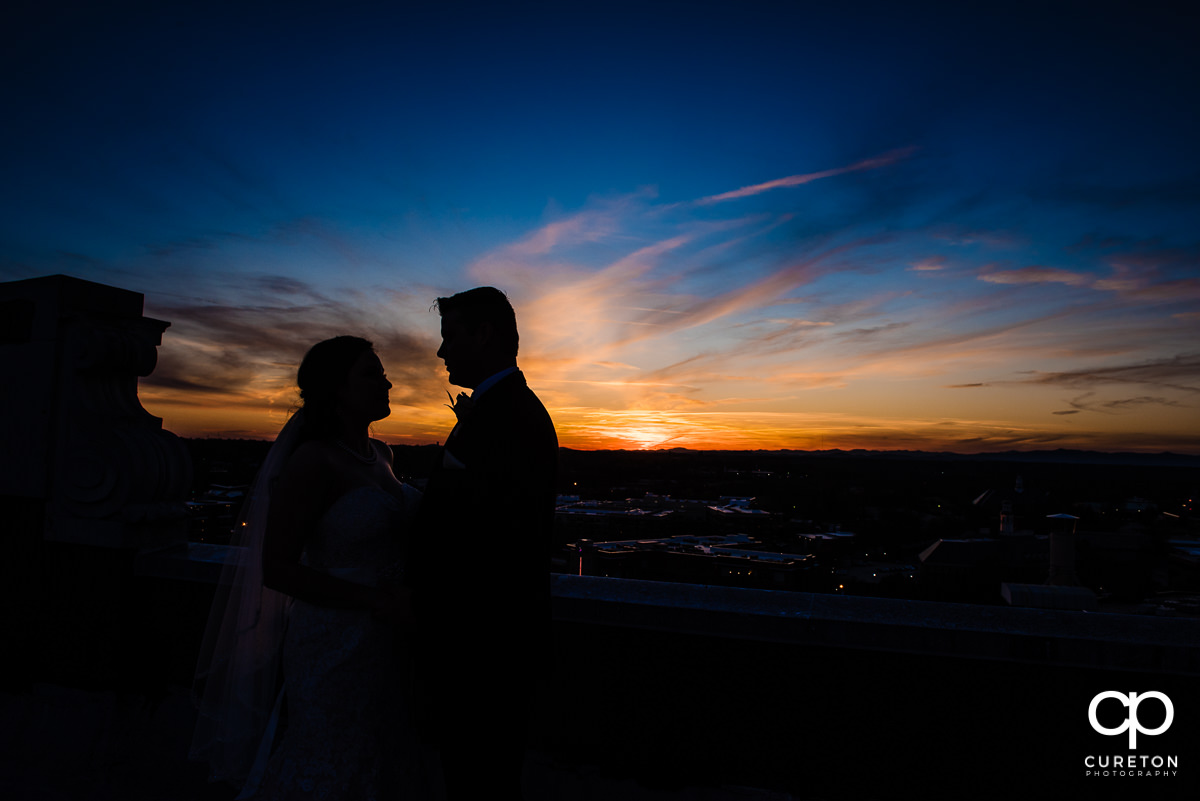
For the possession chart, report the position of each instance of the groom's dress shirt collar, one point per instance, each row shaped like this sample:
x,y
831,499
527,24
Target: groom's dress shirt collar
x,y
492,381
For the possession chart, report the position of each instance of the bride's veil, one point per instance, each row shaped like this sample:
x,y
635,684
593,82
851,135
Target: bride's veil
x,y
237,674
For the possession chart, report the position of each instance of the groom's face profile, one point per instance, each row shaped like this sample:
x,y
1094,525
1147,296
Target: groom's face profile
x,y
463,349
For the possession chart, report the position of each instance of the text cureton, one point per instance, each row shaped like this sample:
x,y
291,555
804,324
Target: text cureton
x,y
1130,761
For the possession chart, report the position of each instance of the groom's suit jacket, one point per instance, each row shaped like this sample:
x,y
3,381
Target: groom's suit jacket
x,y
479,566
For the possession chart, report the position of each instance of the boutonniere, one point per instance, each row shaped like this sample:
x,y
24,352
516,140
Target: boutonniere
x,y
461,406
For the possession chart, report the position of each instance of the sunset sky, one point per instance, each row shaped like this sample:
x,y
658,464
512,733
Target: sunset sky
x,y
725,225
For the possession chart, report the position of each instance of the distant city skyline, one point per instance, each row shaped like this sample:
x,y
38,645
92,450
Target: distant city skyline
x,y
722,225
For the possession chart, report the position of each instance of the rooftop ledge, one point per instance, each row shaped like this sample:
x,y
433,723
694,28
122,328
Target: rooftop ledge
x,y
1103,640
994,633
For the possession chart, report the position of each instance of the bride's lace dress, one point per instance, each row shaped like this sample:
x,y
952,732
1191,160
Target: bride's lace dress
x,y
348,734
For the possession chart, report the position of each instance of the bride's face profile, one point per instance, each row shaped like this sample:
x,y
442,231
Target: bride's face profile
x,y
364,395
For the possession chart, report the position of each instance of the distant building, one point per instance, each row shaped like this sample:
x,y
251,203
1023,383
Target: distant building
x,y
213,515
731,560
653,516
965,570
829,543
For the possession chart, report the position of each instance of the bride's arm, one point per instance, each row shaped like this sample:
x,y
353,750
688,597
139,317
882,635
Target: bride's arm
x,y
298,501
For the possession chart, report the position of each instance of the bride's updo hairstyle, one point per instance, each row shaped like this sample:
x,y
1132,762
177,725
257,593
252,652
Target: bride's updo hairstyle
x,y
322,373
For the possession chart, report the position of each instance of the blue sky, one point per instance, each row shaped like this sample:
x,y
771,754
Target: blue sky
x,y
723,225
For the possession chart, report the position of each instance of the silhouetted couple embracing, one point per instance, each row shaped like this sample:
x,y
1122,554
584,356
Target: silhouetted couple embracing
x,y
371,643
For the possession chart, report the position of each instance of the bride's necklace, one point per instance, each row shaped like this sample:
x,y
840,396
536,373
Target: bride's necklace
x,y
353,452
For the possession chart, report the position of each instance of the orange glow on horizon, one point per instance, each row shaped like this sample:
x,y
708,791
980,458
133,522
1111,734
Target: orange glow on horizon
x,y
583,428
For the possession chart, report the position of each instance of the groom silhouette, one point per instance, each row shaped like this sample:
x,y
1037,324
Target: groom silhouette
x,y
479,568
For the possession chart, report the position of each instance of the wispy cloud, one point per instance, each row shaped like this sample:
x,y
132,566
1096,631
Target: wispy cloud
x,y
1035,275
1181,373
1140,275
930,264
798,180
1121,405
995,239
1140,288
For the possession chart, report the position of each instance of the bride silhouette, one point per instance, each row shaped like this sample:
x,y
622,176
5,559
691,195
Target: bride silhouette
x,y
316,596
